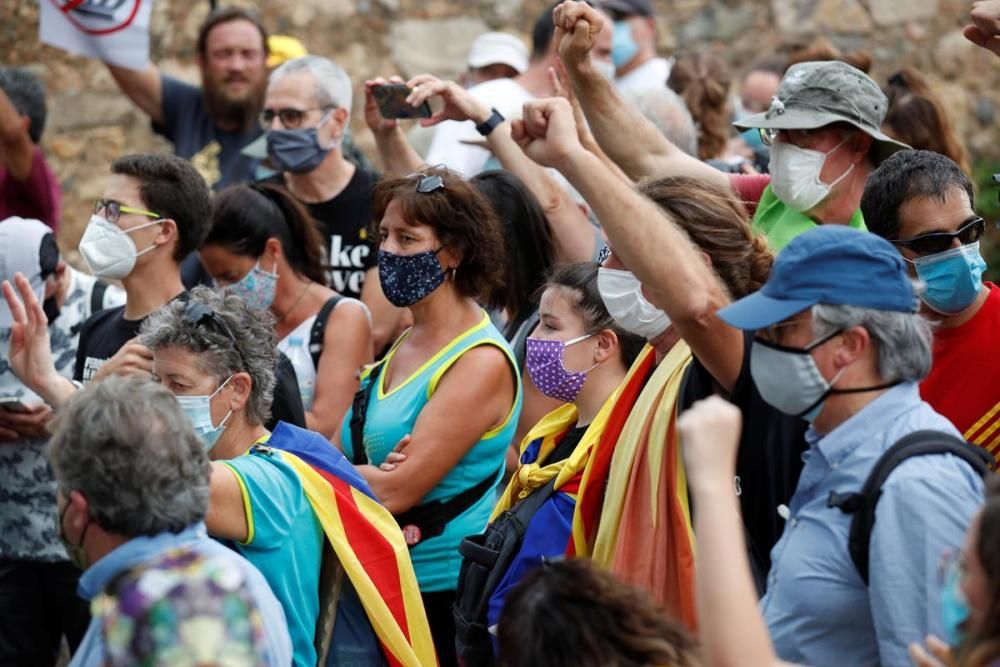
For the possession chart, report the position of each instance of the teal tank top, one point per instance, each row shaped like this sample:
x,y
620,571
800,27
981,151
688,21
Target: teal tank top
x,y
392,415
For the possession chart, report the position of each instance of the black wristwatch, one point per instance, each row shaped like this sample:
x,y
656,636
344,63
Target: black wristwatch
x,y
490,123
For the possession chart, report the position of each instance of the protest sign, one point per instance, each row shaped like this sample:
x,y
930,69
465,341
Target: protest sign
x,y
116,31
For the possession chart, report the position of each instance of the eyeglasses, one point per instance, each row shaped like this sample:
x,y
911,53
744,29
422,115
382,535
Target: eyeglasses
x,y
802,138
113,210
935,242
290,118
200,315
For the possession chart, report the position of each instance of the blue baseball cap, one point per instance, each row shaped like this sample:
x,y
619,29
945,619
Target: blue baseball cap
x,y
834,265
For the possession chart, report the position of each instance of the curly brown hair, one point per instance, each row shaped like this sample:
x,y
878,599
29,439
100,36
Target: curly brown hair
x,y
703,80
717,222
463,221
570,613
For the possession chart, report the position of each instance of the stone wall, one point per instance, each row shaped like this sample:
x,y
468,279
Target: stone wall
x,y
90,122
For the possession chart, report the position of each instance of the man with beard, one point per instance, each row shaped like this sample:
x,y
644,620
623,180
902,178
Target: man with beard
x,y
209,125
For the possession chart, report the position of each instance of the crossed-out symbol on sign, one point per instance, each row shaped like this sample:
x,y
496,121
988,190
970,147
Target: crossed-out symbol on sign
x,y
99,17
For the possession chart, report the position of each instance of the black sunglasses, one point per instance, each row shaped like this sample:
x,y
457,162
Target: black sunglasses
x,y
935,242
201,315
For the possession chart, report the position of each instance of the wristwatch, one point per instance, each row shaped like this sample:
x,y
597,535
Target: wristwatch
x,y
490,123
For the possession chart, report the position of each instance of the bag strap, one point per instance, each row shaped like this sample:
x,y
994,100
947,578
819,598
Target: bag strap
x,y
359,412
97,296
318,330
429,519
861,505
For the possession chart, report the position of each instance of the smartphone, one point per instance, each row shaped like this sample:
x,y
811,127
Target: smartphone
x,y
12,405
391,100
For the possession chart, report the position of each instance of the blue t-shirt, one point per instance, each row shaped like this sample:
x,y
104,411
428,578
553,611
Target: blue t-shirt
x,y
284,541
391,415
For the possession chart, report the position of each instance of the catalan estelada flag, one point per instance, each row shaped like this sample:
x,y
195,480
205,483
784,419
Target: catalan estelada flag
x,y
367,541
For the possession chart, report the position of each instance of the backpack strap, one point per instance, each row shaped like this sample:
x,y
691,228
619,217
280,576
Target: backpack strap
x,y
318,330
861,505
429,519
97,296
359,412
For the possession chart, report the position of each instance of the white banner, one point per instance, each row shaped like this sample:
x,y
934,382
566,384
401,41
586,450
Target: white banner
x,y
116,31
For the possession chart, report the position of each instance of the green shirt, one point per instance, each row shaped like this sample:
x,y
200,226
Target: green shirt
x,y
780,223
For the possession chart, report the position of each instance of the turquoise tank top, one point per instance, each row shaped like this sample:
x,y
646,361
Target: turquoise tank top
x,y
392,415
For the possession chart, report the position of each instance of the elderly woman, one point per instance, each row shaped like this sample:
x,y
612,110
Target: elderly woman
x,y
448,391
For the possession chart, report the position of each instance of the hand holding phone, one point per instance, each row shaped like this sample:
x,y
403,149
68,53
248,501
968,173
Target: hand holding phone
x,y
392,104
13,405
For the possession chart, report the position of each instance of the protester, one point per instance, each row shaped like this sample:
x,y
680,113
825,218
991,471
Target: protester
x,y
633,48
759,84
37,583
579,355
211,124
306,114
263,502
923,203
668,112
820,159
133,484
822,49
440,248
264,247
570,613
703,81
28,188
918,117
495,55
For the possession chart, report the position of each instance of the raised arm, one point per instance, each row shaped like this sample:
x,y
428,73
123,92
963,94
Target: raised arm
x,y
571,230
710,431
398,157
631,140
673,271
984,30
143,87
17,151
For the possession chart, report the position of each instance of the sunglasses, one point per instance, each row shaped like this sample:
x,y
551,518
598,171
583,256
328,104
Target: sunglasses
x,y
201,315
428,184
290,118
113,210
935,242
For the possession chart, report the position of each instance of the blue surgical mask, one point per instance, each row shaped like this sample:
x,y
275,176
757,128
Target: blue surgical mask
x,y
257,287
199,411
298,151
623,44
953,278
954,606
407,279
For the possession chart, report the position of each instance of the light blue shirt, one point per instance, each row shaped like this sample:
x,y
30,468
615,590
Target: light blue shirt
x,y
142,549
817,608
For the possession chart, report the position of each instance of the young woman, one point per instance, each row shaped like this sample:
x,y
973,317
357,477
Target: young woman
x,y
264,246
448,394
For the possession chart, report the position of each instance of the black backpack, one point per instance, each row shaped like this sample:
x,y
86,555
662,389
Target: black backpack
x,y
861,504
485,560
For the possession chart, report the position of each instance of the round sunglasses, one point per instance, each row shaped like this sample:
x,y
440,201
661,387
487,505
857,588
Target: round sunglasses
x,y
935,242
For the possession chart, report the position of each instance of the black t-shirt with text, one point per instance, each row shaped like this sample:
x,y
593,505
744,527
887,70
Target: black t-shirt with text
x,y
769,459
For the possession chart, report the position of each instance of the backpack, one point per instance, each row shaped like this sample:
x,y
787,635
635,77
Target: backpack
x,y
861,505
485,560
318,330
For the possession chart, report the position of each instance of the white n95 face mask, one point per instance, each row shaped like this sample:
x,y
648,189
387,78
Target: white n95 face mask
x,y
795,175
108,250
621,292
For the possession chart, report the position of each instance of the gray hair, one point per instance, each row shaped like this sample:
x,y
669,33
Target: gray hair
x,y
668,112
333,85
903,339
27,94
126,445
251,349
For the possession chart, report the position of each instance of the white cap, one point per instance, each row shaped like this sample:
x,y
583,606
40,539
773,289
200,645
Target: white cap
x,y
498,48
20,252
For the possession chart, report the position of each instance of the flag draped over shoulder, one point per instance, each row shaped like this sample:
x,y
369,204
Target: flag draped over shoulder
x,y
645,536
367,541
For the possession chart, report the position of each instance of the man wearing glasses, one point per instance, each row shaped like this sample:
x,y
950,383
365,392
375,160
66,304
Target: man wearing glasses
x,y
922,202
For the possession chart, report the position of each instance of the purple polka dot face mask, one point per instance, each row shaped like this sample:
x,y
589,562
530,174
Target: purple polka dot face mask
x,y
544,360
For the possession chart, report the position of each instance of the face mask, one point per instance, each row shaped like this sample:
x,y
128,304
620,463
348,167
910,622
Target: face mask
x,y
77,554
544,360
953,278
257,287
623,44
621,292
605,67
199,410
407,279
298,151
954,607
795,175
108,250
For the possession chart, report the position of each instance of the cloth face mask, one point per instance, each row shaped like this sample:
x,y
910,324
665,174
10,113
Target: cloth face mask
x,y
407,279
298,151
257,287
544,360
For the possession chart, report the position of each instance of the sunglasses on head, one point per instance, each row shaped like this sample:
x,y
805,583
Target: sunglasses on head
x,y
428,183
201,315
935,242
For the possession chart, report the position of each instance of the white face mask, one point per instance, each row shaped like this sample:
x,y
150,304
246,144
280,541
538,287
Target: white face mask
x,y
605,67
621,292
108,250
795,175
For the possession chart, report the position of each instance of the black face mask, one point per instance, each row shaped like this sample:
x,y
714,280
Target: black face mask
x,y
51,308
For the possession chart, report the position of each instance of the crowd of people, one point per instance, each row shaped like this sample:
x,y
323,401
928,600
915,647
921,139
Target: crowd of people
x,y
614,360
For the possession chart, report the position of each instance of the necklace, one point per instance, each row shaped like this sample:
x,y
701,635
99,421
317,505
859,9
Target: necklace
x,y
281,317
